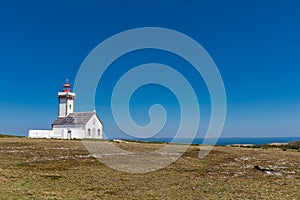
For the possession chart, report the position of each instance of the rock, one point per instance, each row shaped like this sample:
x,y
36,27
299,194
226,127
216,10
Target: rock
x,y
260,168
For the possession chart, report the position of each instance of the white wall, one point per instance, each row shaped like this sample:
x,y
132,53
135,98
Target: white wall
x,y
65,100
40,133
70,106
62,131
62,107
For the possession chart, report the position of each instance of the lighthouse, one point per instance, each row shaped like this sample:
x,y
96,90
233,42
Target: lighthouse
x,y
70,124
65,100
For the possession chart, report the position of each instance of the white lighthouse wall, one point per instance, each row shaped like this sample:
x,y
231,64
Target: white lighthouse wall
x,y
62,107
66,103
93,128
70,106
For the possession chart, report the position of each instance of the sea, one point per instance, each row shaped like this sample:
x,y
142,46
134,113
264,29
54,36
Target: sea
x,y
222,141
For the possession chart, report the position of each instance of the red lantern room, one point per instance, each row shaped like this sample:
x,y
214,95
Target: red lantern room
x,y
67,87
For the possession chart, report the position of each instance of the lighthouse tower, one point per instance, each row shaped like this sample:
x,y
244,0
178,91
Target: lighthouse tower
x,y
66,101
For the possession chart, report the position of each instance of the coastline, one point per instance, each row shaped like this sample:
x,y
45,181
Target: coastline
x,y
222,141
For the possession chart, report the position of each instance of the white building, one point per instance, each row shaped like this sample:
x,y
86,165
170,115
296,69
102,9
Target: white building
x,y
69,124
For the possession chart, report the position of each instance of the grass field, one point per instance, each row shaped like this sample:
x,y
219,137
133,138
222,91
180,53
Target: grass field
x,y
61,169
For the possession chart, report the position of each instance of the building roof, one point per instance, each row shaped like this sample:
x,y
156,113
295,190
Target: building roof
x,y
74,118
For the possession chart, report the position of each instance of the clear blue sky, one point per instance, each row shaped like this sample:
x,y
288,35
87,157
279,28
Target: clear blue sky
x,y
255,44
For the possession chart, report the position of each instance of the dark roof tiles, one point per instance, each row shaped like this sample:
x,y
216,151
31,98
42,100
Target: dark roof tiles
x,y
74,118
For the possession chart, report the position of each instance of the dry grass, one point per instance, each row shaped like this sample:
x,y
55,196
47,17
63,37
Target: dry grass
x,y
60,169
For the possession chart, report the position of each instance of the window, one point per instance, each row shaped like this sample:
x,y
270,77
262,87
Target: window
x,y
70,106
94,121
94,133
98,132
89,132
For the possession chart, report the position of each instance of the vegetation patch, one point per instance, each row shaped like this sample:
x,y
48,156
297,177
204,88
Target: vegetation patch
x,y
10,136
64,169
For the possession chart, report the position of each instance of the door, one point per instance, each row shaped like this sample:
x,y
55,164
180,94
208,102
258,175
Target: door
x,y
69,136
